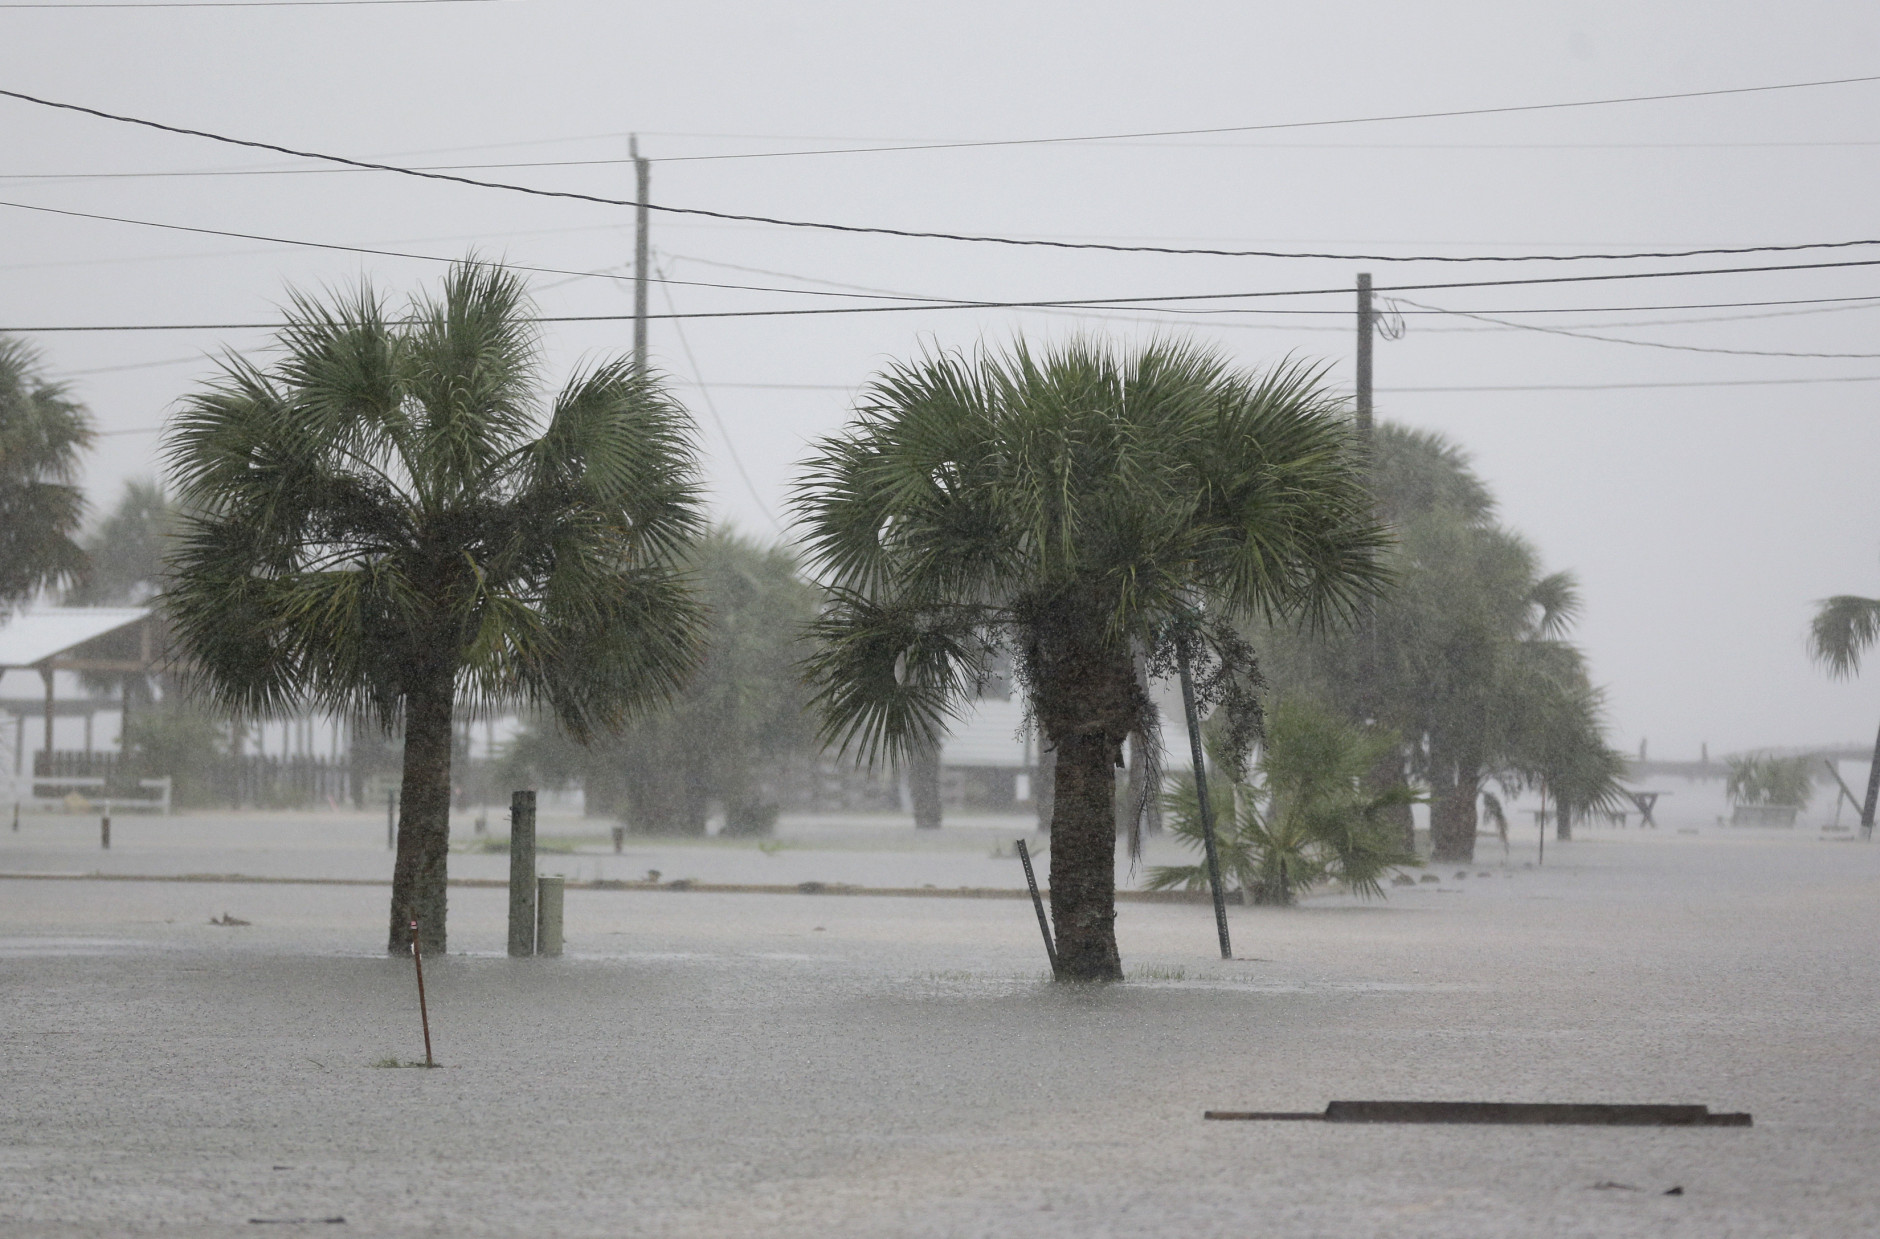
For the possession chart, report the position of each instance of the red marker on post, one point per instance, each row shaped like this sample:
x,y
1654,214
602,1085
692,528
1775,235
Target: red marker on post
x,y
417,957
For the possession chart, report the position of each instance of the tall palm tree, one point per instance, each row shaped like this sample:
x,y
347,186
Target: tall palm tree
x,y
387,521
1074,509
1845,626
42,432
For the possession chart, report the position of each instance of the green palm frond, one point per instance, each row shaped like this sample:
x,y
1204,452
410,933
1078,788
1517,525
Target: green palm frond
x,y
1844,627
382,505
43,432
1305,817
1085,497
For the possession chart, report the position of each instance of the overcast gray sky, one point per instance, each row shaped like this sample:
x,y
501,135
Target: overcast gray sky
x,y
1704,499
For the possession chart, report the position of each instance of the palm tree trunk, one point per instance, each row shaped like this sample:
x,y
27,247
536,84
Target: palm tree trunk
x,y
419,872
1083,859
923,786
1563,818
1388,776
1452,821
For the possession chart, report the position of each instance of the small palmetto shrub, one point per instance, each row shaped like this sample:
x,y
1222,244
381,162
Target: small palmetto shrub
x,y
1303,816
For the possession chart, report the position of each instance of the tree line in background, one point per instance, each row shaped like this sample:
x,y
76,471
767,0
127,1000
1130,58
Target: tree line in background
x,y
394,522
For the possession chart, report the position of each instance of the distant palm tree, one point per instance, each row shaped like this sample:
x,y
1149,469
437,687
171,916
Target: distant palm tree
x,y
1845,626
1075,509
42,432
387,519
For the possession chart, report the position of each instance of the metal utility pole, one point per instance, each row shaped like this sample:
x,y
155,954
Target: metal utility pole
x,y
1205,804
1367,332
643,178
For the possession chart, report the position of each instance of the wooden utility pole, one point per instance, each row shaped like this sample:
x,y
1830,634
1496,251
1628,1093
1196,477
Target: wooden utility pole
x,y
1367,332
643,178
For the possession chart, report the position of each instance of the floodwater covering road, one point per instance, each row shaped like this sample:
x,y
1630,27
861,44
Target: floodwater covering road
x,y
812,1065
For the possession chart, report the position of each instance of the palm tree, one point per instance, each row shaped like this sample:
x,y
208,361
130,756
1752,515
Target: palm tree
x,y
385,522
1074,510
42,432
1467,656
1845,626
1308,815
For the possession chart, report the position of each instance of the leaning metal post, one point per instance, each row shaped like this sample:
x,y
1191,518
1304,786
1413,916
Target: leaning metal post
x,y
1037,904
1201,794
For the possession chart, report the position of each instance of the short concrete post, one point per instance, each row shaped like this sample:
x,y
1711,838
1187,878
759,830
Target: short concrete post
x,y
522,874
548,916
104,831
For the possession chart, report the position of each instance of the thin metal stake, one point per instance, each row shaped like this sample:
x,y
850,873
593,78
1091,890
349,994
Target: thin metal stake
x,y
1201,793
417,957
1541,821
1037,904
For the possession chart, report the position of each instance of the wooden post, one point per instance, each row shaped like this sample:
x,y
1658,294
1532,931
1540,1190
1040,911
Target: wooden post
x,y
391,821
548,892
104,831
45,673
522,874
424,1015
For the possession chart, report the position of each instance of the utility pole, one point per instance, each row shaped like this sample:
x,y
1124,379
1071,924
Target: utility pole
x,y
1367,331
643,177
1389,770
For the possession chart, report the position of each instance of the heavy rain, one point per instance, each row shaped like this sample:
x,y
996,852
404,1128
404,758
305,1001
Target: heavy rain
x,y
986,620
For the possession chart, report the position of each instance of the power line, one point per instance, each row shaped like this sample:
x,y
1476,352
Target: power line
x,y
1517,387
93,262
1397,391
973,238
604,274
711,406
1682,348
1863,303
1302,124
1196,146
1138,302
242,4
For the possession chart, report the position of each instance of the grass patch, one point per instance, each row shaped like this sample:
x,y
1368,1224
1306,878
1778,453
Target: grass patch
x,y
1157,972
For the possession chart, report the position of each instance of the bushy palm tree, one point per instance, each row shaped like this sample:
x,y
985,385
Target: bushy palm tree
x,y
1305,816
1074,509
740,719
127,548
1845,627
388,521
42,432
1465,657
